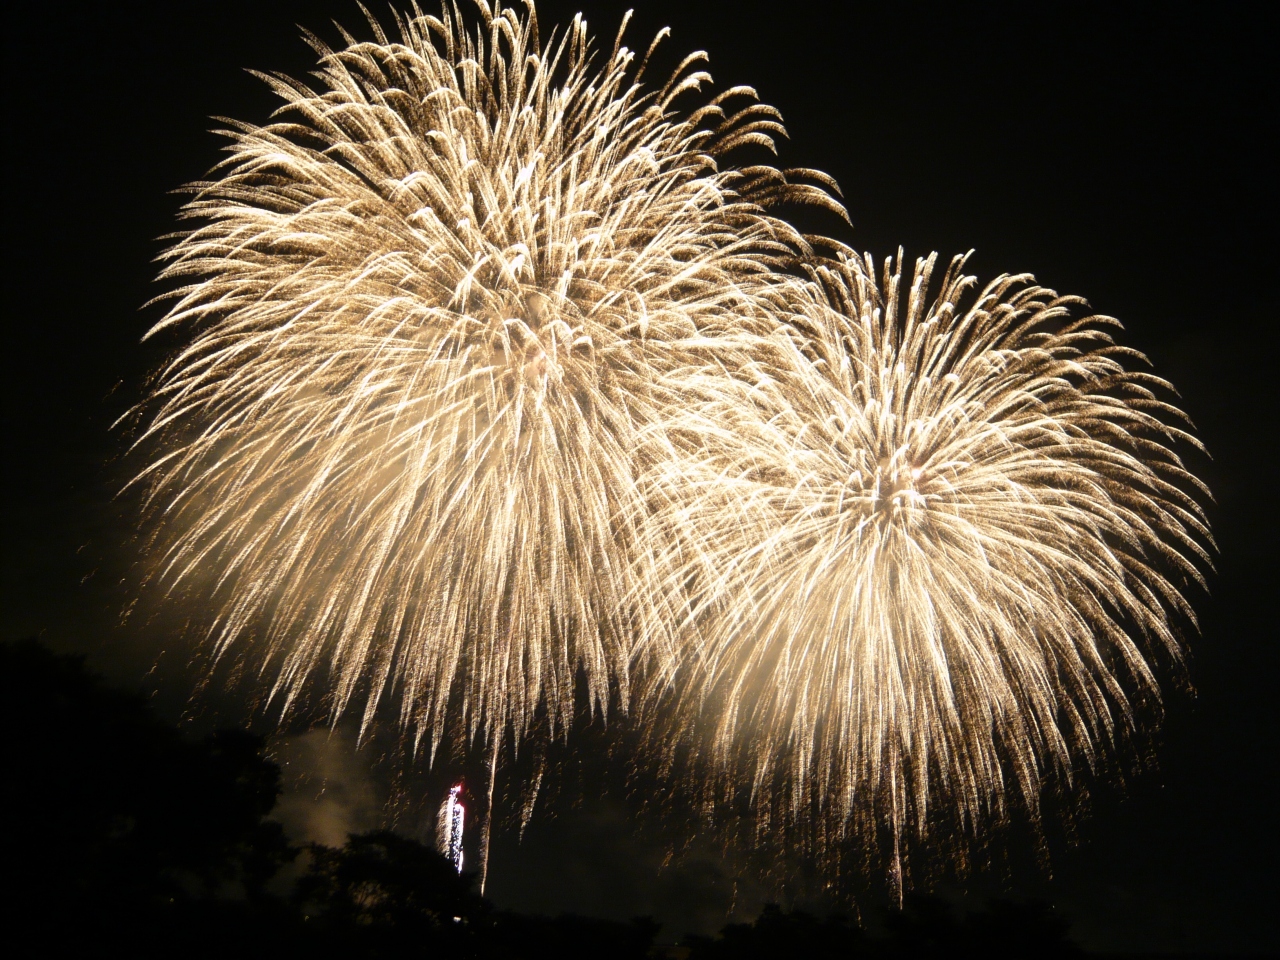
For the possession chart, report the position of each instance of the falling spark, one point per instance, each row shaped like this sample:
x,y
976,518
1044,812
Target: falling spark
x,y
922,557
425,314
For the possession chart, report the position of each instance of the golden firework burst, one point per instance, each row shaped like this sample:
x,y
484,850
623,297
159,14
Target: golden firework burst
x,y
427,310
922,550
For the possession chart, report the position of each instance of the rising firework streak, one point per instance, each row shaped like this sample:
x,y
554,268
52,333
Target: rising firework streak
x,y
452,816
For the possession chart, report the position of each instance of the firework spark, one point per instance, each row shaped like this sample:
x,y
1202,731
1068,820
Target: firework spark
x,y
923,559
426,312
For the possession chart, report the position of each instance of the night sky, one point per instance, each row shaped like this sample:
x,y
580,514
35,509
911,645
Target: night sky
x,y
1117,155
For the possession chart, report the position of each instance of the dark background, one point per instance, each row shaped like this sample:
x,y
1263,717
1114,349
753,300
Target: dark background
x,y
1118,154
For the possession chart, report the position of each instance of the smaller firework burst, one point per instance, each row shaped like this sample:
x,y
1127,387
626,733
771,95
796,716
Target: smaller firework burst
x,y
924,558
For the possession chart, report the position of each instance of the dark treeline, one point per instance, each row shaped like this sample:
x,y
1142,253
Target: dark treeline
x,y
125,835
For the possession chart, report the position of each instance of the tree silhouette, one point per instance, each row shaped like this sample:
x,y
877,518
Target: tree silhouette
x,y
117,820
123,833
925,926
1007,929
779,933
381,887
519,937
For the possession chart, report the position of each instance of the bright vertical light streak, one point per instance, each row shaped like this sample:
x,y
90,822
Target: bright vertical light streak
x,y
452,821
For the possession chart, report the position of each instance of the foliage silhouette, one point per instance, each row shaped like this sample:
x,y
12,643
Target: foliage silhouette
x,y
124,833
568,935
115,815
381,889
926,926
777,933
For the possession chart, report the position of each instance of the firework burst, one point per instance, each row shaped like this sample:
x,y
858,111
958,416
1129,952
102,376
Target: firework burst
x,y
923,557
497,380
426,312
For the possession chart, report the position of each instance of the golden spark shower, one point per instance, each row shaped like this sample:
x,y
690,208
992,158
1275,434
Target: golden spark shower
x,y
926,556
504,390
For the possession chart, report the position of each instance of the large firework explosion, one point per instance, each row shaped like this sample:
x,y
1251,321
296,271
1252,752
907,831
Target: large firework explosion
x,y
923,560
498,376
427,310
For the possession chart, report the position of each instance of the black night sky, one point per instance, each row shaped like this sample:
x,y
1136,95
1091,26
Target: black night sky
x,y
1117,153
